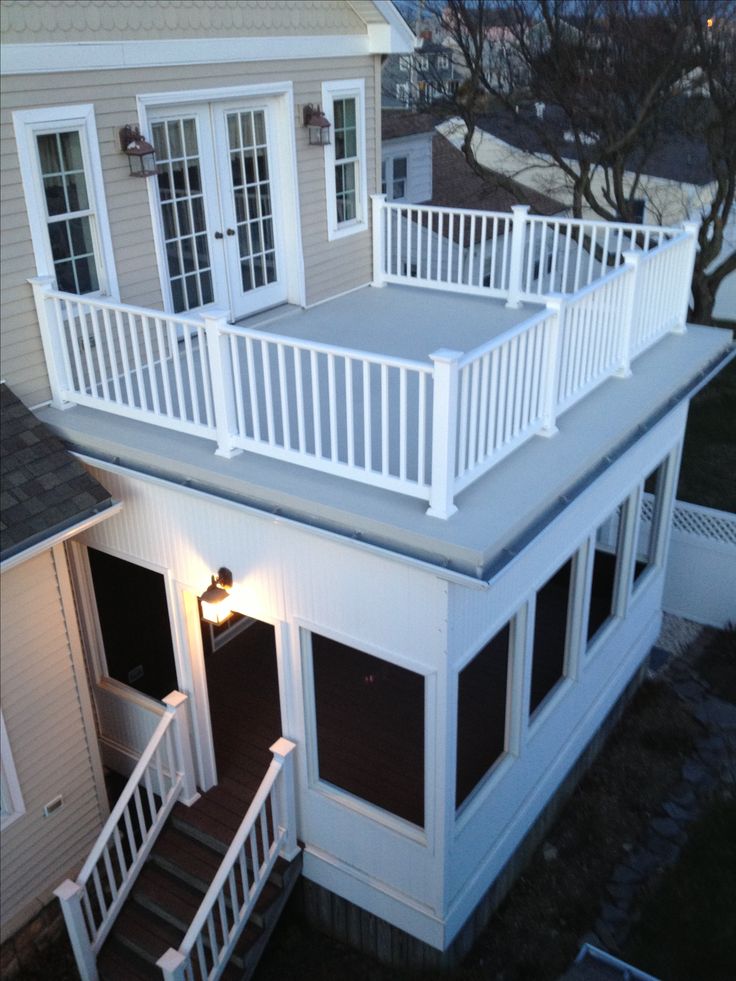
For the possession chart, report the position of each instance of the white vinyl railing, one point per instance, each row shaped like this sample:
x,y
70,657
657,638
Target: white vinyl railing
x,y
424,429
163,775
267,832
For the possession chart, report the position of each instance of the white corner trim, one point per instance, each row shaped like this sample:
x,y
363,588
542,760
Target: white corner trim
x,y
25,59
12,797
393,37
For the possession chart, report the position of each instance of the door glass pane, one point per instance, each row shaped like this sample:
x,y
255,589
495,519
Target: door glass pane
x,y
252,197
180,175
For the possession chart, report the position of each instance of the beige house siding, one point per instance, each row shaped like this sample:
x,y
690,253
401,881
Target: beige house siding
x,y
330,267
47,713
24,21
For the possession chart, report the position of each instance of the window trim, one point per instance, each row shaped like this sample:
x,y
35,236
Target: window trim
x,y
331,91
11,792
30,123
388,162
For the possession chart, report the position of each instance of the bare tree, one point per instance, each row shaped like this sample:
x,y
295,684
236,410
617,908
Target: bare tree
x,y
620,80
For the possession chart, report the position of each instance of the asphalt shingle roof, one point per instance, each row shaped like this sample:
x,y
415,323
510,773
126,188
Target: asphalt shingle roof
x,y
43,489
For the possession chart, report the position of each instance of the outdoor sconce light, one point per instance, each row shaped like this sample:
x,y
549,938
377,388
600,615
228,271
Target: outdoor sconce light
x,y
141,155
318,125
215,601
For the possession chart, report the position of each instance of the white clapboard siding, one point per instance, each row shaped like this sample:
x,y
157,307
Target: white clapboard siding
x,y
44,700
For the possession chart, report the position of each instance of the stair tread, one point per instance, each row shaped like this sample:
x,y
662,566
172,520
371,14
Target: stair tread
x,y
187,854
167,894
147,933
119,963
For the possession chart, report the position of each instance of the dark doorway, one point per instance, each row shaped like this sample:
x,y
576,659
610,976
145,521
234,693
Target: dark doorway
x,y
134,620
243,686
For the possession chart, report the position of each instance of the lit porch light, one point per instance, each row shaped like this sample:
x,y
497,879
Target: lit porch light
x,y
216,602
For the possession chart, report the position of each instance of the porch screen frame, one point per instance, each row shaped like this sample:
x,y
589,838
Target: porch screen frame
x,y
32,123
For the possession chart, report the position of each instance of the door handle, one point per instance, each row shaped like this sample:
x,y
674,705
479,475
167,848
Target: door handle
x,y
218,234
230,231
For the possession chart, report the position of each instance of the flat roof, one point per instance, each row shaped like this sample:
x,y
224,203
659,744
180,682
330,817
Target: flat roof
x,y
495,513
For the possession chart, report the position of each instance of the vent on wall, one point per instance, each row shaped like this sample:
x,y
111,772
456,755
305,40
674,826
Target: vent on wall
x,y
53,806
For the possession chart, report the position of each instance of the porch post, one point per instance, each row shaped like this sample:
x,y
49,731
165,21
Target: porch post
x,y
221,375
70,895
178,705
520,213
632,261
556,303
51,340
692,229
444,432
283,754
378,209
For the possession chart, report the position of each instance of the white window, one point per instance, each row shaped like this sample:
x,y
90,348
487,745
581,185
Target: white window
x,y
443,62
422,63
11,799
62,183
345,162
394,172
404,63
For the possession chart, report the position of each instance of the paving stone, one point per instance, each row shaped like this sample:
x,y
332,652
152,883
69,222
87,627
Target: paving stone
x,y
622,892
666,827
716,742
622,873
690,690
683,795
683,815
664,849
644,863
609,941
612,915
717,713
694,772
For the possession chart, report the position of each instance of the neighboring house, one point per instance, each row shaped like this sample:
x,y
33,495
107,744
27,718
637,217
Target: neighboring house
x,y
412,81
438,608
53,800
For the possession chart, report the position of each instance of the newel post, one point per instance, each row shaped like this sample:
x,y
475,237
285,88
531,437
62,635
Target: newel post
x,y
283,754
556,303
178,705
692,230
221,375
51,340
172,965
70,895
444,432
632,261
378,208
520,213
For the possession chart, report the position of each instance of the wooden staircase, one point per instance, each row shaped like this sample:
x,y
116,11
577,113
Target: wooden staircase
x,y
173,883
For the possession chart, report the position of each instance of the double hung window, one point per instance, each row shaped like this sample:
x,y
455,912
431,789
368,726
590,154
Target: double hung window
x,y
345,158
11,799
62,182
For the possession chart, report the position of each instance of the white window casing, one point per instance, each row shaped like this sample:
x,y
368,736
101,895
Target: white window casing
x,y
345,158
11,799
58,149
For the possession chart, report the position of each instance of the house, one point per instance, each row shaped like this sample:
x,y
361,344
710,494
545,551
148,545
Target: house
x,y
427,76
53,800
419,489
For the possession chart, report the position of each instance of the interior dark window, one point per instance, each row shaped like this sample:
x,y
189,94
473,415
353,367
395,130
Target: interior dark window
x,y
550,632
370,727
481,713
608,539
649,518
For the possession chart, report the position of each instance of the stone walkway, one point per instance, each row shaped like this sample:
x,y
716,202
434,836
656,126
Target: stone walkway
x,y
711,766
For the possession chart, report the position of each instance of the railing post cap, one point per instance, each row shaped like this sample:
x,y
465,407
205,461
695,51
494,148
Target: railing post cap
x,y
67,890
378,197
446,356
215,313
520,209
174,699
554,301
171,960
48,281
282,747
691,227
632,256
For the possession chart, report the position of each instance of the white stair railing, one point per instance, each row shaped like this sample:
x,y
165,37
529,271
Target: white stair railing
x,y
267,831
163,775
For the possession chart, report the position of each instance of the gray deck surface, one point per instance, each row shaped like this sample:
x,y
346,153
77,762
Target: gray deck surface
x,y
501,508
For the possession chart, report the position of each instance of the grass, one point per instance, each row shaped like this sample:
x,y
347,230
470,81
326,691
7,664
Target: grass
x,y
688,928
709,455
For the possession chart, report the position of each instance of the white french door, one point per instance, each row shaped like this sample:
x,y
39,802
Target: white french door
x,y
220,205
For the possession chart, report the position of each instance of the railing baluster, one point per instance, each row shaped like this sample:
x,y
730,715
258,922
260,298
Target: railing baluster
x,y
123,343
350,411
422,430
403,436
265,348
162,360
114,368
332,405
99,892
384,420
367,420
87,348
283,391
300,407
100,354
69,317
238,385
316,400
112,881
253,389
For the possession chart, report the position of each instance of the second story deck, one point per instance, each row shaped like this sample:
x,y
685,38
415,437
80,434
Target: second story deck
x,y
480,333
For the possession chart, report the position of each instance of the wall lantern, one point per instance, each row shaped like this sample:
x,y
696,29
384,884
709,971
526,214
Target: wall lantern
x,y
318,125
215,602
141,155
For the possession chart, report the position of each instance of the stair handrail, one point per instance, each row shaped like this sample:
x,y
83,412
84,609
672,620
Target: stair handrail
x,y
213,938
111,870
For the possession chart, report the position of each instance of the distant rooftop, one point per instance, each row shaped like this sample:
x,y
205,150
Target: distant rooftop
x,y
44,489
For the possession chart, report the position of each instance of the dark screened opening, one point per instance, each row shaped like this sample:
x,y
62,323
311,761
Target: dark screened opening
x,y
605,563
370,727
481,714
648,520
550,629
134,620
